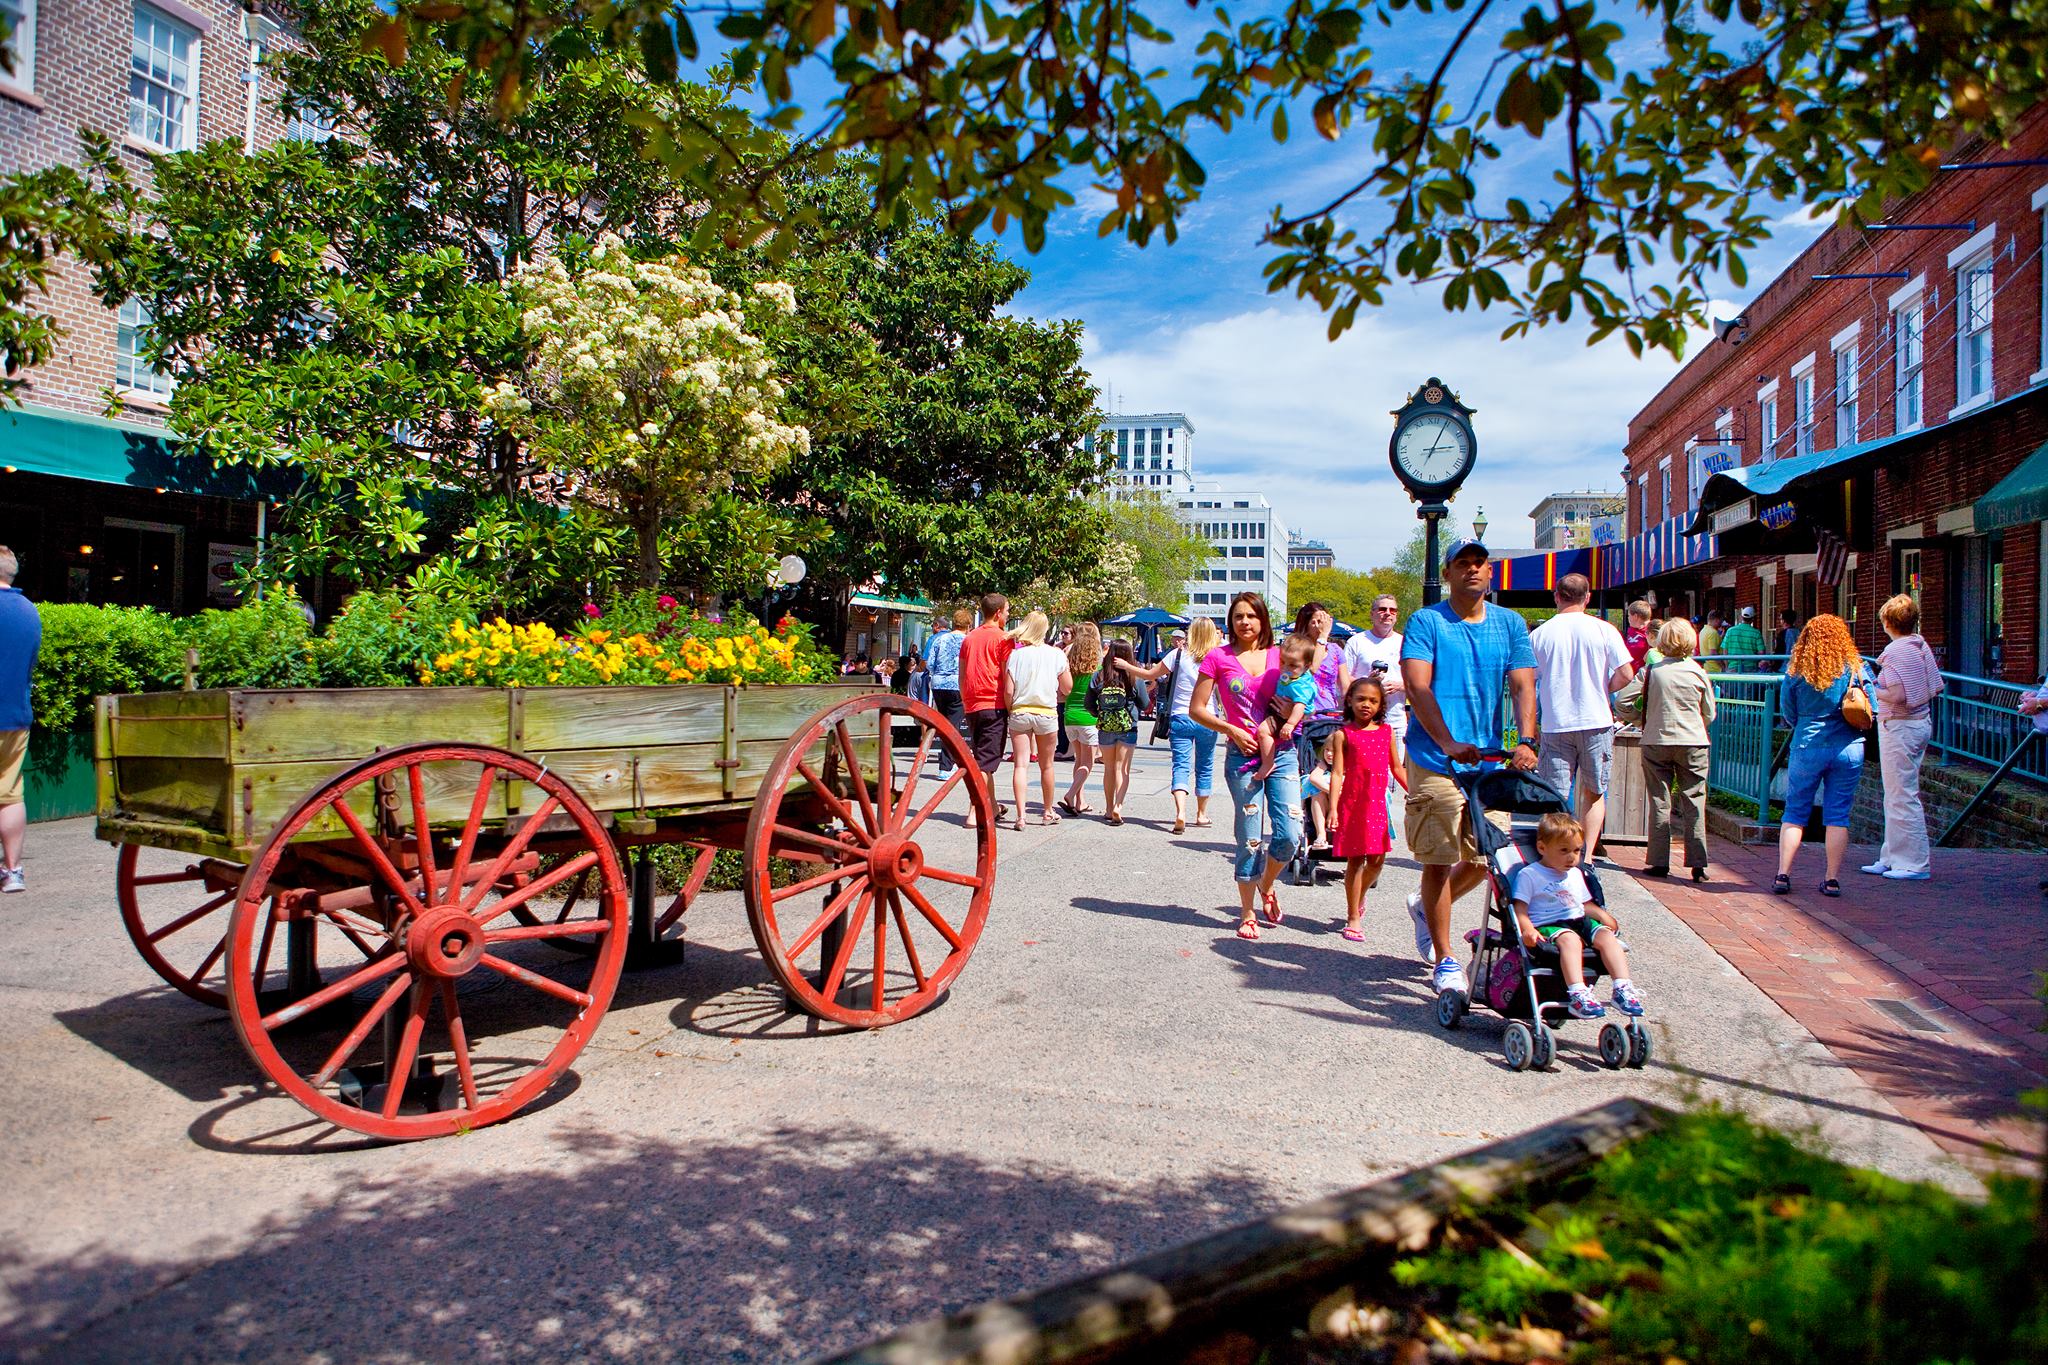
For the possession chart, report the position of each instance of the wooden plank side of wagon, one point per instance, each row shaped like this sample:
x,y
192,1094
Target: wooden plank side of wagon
x,y
308,725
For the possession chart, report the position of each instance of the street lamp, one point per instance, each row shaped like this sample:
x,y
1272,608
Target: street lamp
x,y
787,573
1479,525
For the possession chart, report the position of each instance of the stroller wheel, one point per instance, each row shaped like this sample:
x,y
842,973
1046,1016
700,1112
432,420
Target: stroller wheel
x,y
1451,1007
1638,1044
1518,1047
1614,1047
1545,1051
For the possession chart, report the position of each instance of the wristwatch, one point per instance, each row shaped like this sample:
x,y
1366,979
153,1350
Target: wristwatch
x,y
1530,742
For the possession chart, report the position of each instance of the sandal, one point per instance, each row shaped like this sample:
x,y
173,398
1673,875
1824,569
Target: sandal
x,y
1203,822
1112,819
1018,824
1247,929
1831,887
1048,818
1180,826
1354,934
1781,885
1071,808
1270,903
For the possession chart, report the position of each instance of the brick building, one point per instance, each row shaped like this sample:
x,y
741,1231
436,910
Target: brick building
x,y
1889,389
103,509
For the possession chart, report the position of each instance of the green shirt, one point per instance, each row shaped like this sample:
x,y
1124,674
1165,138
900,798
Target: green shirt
x,y
1077,708
1743,638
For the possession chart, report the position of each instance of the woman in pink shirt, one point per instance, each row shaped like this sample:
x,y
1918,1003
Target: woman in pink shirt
x,y
1908,679
1239,676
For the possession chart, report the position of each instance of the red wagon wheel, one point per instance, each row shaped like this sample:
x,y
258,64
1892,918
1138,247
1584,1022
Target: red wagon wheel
x,y
181,934
905,893
576,897
433,911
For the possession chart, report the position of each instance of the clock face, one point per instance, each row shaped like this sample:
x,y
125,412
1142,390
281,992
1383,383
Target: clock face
x,y
1433,449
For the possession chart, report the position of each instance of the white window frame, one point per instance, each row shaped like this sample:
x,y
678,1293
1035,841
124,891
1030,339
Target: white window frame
x,y
2040,205
1643,515
23,44
195,40
1664,488
1909,361
1803,404
157,385
1767,421
1967,260
1846,346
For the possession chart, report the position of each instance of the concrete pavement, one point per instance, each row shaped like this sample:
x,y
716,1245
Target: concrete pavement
x,y
1113,1073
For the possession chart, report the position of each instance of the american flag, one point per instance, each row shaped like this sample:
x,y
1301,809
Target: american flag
x,y
1833,560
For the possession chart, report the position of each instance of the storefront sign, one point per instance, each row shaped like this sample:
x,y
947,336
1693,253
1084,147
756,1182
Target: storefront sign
x,y
1778,515
221,563
1733,515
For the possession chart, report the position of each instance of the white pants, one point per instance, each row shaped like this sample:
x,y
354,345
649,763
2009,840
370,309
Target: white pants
x,y
1901,745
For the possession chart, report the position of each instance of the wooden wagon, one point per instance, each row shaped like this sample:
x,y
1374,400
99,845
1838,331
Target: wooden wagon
x,y
456,913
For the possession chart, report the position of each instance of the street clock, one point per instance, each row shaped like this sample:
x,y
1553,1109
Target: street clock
x,y
1433,448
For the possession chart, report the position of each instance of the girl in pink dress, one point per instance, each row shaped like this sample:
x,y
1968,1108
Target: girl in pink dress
x,y
1364,757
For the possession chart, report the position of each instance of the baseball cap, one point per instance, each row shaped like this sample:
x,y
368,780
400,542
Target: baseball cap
x,y
1748,613
1178,634
1458,547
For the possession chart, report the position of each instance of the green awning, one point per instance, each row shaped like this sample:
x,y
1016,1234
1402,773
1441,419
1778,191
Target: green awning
x,y
71,445
875,601
2018,499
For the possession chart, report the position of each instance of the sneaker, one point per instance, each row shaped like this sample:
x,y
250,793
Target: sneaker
x,y
1626,1000
1425,947
13,879
1582,1005
1900,874
1449,976
1876,869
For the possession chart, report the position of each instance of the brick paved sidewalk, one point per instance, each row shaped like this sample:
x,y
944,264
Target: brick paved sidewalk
x,y
1927,990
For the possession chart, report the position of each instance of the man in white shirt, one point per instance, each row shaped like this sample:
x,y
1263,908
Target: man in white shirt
x,y
1376,653
1580,659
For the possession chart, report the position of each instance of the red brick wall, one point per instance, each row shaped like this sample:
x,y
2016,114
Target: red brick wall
x,y
81,81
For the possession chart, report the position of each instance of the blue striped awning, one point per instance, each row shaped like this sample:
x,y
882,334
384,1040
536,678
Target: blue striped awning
x,y
1664,548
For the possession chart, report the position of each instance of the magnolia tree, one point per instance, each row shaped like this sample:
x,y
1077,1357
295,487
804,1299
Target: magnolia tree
x,y
650,390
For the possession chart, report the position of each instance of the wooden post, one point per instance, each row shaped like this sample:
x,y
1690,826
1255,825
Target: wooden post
x,y
191,670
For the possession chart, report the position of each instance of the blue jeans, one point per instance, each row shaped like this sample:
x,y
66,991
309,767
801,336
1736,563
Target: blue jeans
x,y
1831,774
1194,752
1276,800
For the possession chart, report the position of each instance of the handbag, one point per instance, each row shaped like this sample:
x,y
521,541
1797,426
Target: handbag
x,y
1162,713
1856,706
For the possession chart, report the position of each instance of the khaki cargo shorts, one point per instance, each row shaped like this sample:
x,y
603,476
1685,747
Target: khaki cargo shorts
x,y
1438,829
13,750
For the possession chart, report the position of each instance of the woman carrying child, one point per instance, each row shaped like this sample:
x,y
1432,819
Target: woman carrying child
x,y
1287,710
1364,758
1554,905
1237,683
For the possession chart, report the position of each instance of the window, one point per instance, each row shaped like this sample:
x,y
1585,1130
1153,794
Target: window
x,y
1973,332
305,123
163,82
132,371
1909,575
1908,337
1664,494
1767,421
1845,395
1643,506
1802,413
20,18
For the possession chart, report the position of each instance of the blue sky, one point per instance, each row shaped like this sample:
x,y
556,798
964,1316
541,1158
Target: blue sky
x,y
1278,407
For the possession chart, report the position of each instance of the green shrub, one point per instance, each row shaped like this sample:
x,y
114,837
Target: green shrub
x,y
88,651
384,639
263,643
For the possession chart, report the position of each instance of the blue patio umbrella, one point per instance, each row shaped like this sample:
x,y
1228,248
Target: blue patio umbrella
x,y
1147,620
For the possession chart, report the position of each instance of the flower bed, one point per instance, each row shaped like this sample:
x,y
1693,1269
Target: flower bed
x,y
498,653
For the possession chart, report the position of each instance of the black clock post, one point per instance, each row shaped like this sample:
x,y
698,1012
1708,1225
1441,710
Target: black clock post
x,y
1432,451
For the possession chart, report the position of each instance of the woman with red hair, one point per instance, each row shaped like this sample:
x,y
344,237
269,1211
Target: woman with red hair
x,y
1826,761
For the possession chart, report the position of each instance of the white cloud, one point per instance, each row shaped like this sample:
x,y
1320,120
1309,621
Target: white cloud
x,y
1279,408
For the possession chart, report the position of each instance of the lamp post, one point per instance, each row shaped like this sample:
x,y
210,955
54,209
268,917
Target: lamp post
x,y
1479,525
787,573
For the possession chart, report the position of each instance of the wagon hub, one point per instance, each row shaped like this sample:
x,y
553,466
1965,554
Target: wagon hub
x,y
445,942
894,861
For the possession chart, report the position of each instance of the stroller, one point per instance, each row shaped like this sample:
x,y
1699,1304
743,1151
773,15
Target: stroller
x,y
1524,985
1306,869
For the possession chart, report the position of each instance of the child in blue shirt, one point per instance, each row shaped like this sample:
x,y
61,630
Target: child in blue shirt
x,y
1293,696
1553,904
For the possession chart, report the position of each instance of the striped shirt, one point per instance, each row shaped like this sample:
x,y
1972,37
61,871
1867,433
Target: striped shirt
x,y
1908,678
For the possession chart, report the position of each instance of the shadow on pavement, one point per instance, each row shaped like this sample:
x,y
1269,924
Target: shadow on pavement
x,y
798,1241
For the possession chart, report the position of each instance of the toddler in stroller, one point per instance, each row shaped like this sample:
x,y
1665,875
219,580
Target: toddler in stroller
x,y
1542,911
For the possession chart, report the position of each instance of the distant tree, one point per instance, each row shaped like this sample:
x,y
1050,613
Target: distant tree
x,y
1169,552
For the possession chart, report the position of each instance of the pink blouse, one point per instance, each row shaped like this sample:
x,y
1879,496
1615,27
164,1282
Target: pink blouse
x,y
1241,698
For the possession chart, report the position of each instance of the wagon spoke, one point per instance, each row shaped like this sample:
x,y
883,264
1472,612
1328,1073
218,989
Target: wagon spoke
x,y
845,955
470,829
578,864
834,908
854,774
953,779
819,841
378,860
263,952
422,832
355,980
832,800
837,874
408,1051
190,874
924,748
511,852
458,1043
190,916
340,1055
924,907
940,874
351,935
211,958
534,979
909,946
574,896
881,953
574,928
885,766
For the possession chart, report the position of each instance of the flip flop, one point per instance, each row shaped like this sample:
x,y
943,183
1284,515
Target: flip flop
x,y
1271,906
1355,935
1070,808
1180,827
1247,929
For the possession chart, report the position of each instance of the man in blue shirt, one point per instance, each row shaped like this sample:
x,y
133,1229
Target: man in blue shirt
x,y
21,636
942,666
1458,658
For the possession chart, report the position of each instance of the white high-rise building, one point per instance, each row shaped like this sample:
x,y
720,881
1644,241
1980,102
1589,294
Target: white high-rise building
x,y
1249,551
1153,451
